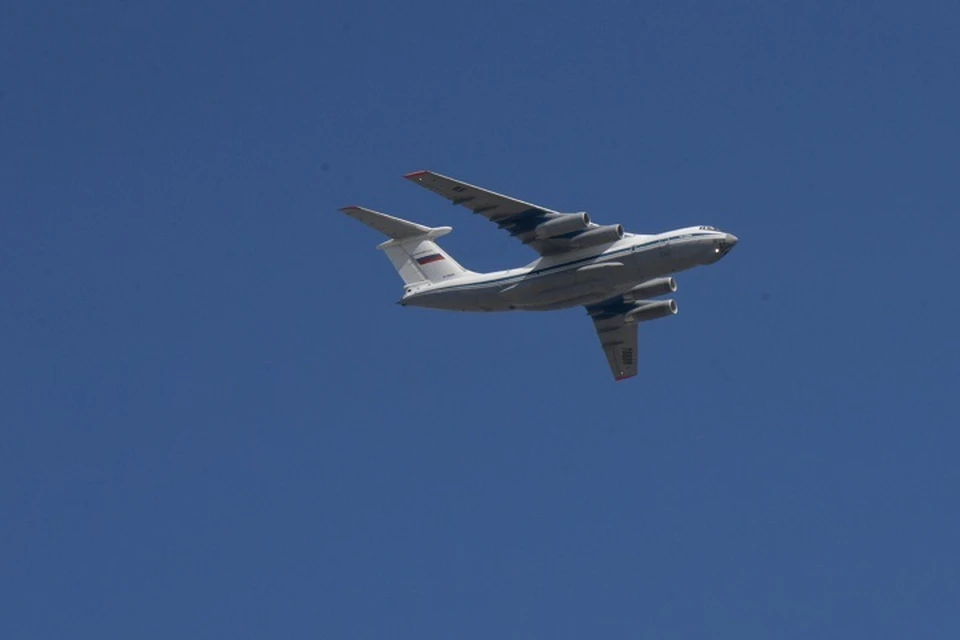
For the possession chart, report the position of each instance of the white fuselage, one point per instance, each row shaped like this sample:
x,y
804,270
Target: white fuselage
x,y
575,278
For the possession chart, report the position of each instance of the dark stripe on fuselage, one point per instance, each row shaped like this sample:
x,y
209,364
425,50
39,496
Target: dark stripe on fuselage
x,y
545,270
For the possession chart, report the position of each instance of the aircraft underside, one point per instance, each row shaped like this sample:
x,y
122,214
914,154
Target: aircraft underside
x,y
576,286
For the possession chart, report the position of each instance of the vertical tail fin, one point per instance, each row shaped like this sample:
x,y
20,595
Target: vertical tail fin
x,y
419,259
411,247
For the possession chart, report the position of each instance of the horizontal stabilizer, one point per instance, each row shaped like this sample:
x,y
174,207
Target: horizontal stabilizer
x,y
389,226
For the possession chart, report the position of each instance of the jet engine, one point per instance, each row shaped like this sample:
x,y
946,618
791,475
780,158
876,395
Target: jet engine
x,y
651,311
565,223
650,289
599,235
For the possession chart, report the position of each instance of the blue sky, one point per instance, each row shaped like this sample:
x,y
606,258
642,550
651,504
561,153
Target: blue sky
x,y
217,423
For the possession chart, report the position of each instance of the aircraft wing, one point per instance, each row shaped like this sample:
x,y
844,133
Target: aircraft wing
x,y
617,337
517,217
619,342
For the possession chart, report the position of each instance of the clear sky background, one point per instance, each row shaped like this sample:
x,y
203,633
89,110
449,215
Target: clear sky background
x,y
216,422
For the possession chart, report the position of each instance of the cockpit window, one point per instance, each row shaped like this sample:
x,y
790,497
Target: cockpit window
x,y
708,228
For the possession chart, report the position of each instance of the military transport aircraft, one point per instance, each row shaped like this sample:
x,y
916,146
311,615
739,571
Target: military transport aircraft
x,y
613,274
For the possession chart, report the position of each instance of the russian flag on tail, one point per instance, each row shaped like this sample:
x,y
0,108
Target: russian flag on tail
x,y
433,257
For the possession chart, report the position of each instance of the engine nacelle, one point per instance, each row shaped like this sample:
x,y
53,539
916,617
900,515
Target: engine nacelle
x,y
651,289
651,311
600,235
565,223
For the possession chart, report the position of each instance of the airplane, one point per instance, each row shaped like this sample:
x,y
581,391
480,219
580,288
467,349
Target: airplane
x,y
612,273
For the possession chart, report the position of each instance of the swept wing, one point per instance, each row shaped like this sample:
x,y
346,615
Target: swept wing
x,y
619,341
520,219
616,319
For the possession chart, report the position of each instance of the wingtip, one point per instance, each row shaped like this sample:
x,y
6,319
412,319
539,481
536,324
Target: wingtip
x,y
413,175
626,377
349,207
